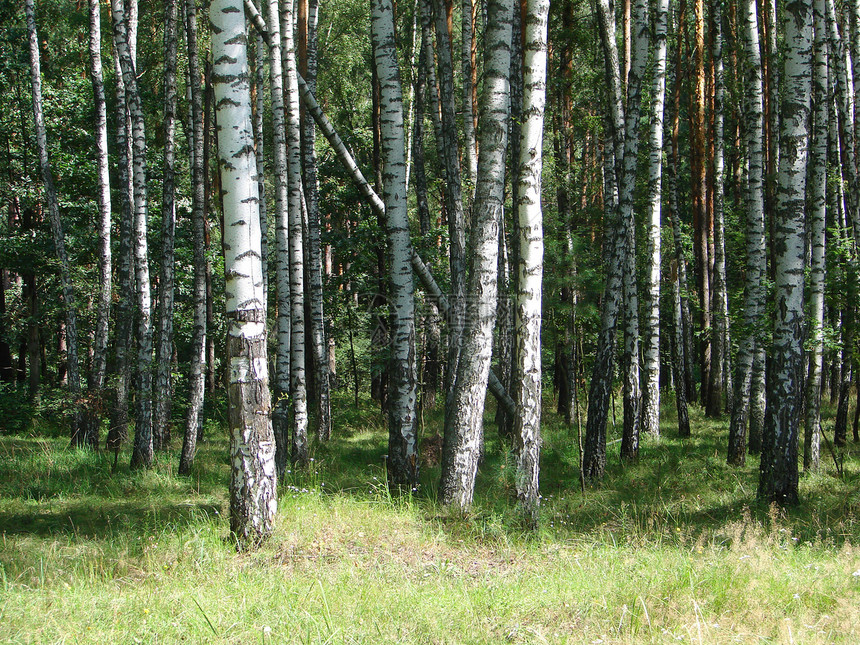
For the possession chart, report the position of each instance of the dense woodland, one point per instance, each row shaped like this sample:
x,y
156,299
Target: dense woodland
x,y
271,208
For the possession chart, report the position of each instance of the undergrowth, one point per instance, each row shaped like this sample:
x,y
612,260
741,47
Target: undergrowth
x,y
672,548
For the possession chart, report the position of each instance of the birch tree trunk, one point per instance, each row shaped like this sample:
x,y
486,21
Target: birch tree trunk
x,y
464,422
720,337
469,73
164,352
253,485
197,374
755,242
594,453
126,286
122,28
298,379
57,233
98,373
449,153
651,362
817,239
319,344
403,384
281,413
529,284
778,475
632,392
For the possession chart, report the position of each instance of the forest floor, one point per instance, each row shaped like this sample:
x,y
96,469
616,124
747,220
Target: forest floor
x,y
673,548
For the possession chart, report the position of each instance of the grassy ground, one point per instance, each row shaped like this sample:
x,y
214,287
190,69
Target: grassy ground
x,y
672,549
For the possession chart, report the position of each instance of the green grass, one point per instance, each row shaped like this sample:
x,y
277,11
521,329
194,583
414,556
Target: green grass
x,y
670,549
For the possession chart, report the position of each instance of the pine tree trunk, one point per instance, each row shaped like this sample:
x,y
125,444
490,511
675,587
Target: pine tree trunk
x,y
651,362
529,283
779,477
57,233
164,351
755,243
253,485
98,372
197,373
402,437
464,421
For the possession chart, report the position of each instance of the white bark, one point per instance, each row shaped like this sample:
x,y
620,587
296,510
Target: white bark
x,y
164,351
197,374
100,341
124,29
403,391
817,238
298,380
779,476
651,354
755,240
280,415
253,486
57,233
529,285
464,421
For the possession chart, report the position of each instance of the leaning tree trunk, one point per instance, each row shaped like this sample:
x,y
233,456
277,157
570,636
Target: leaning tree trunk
x,y
142,452
755,238
98,372
403,385
253,485
164,350
197,374
651,362
298,379
778,475
530,215
57,233
464,422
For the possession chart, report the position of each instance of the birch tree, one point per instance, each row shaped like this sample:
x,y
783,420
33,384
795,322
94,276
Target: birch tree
x,y
164,351
253,483
298,377
280,416
403,385
779,475
197,372
817,239
530,215
755,241
651,362
142,452
464,423
57,232
98,372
